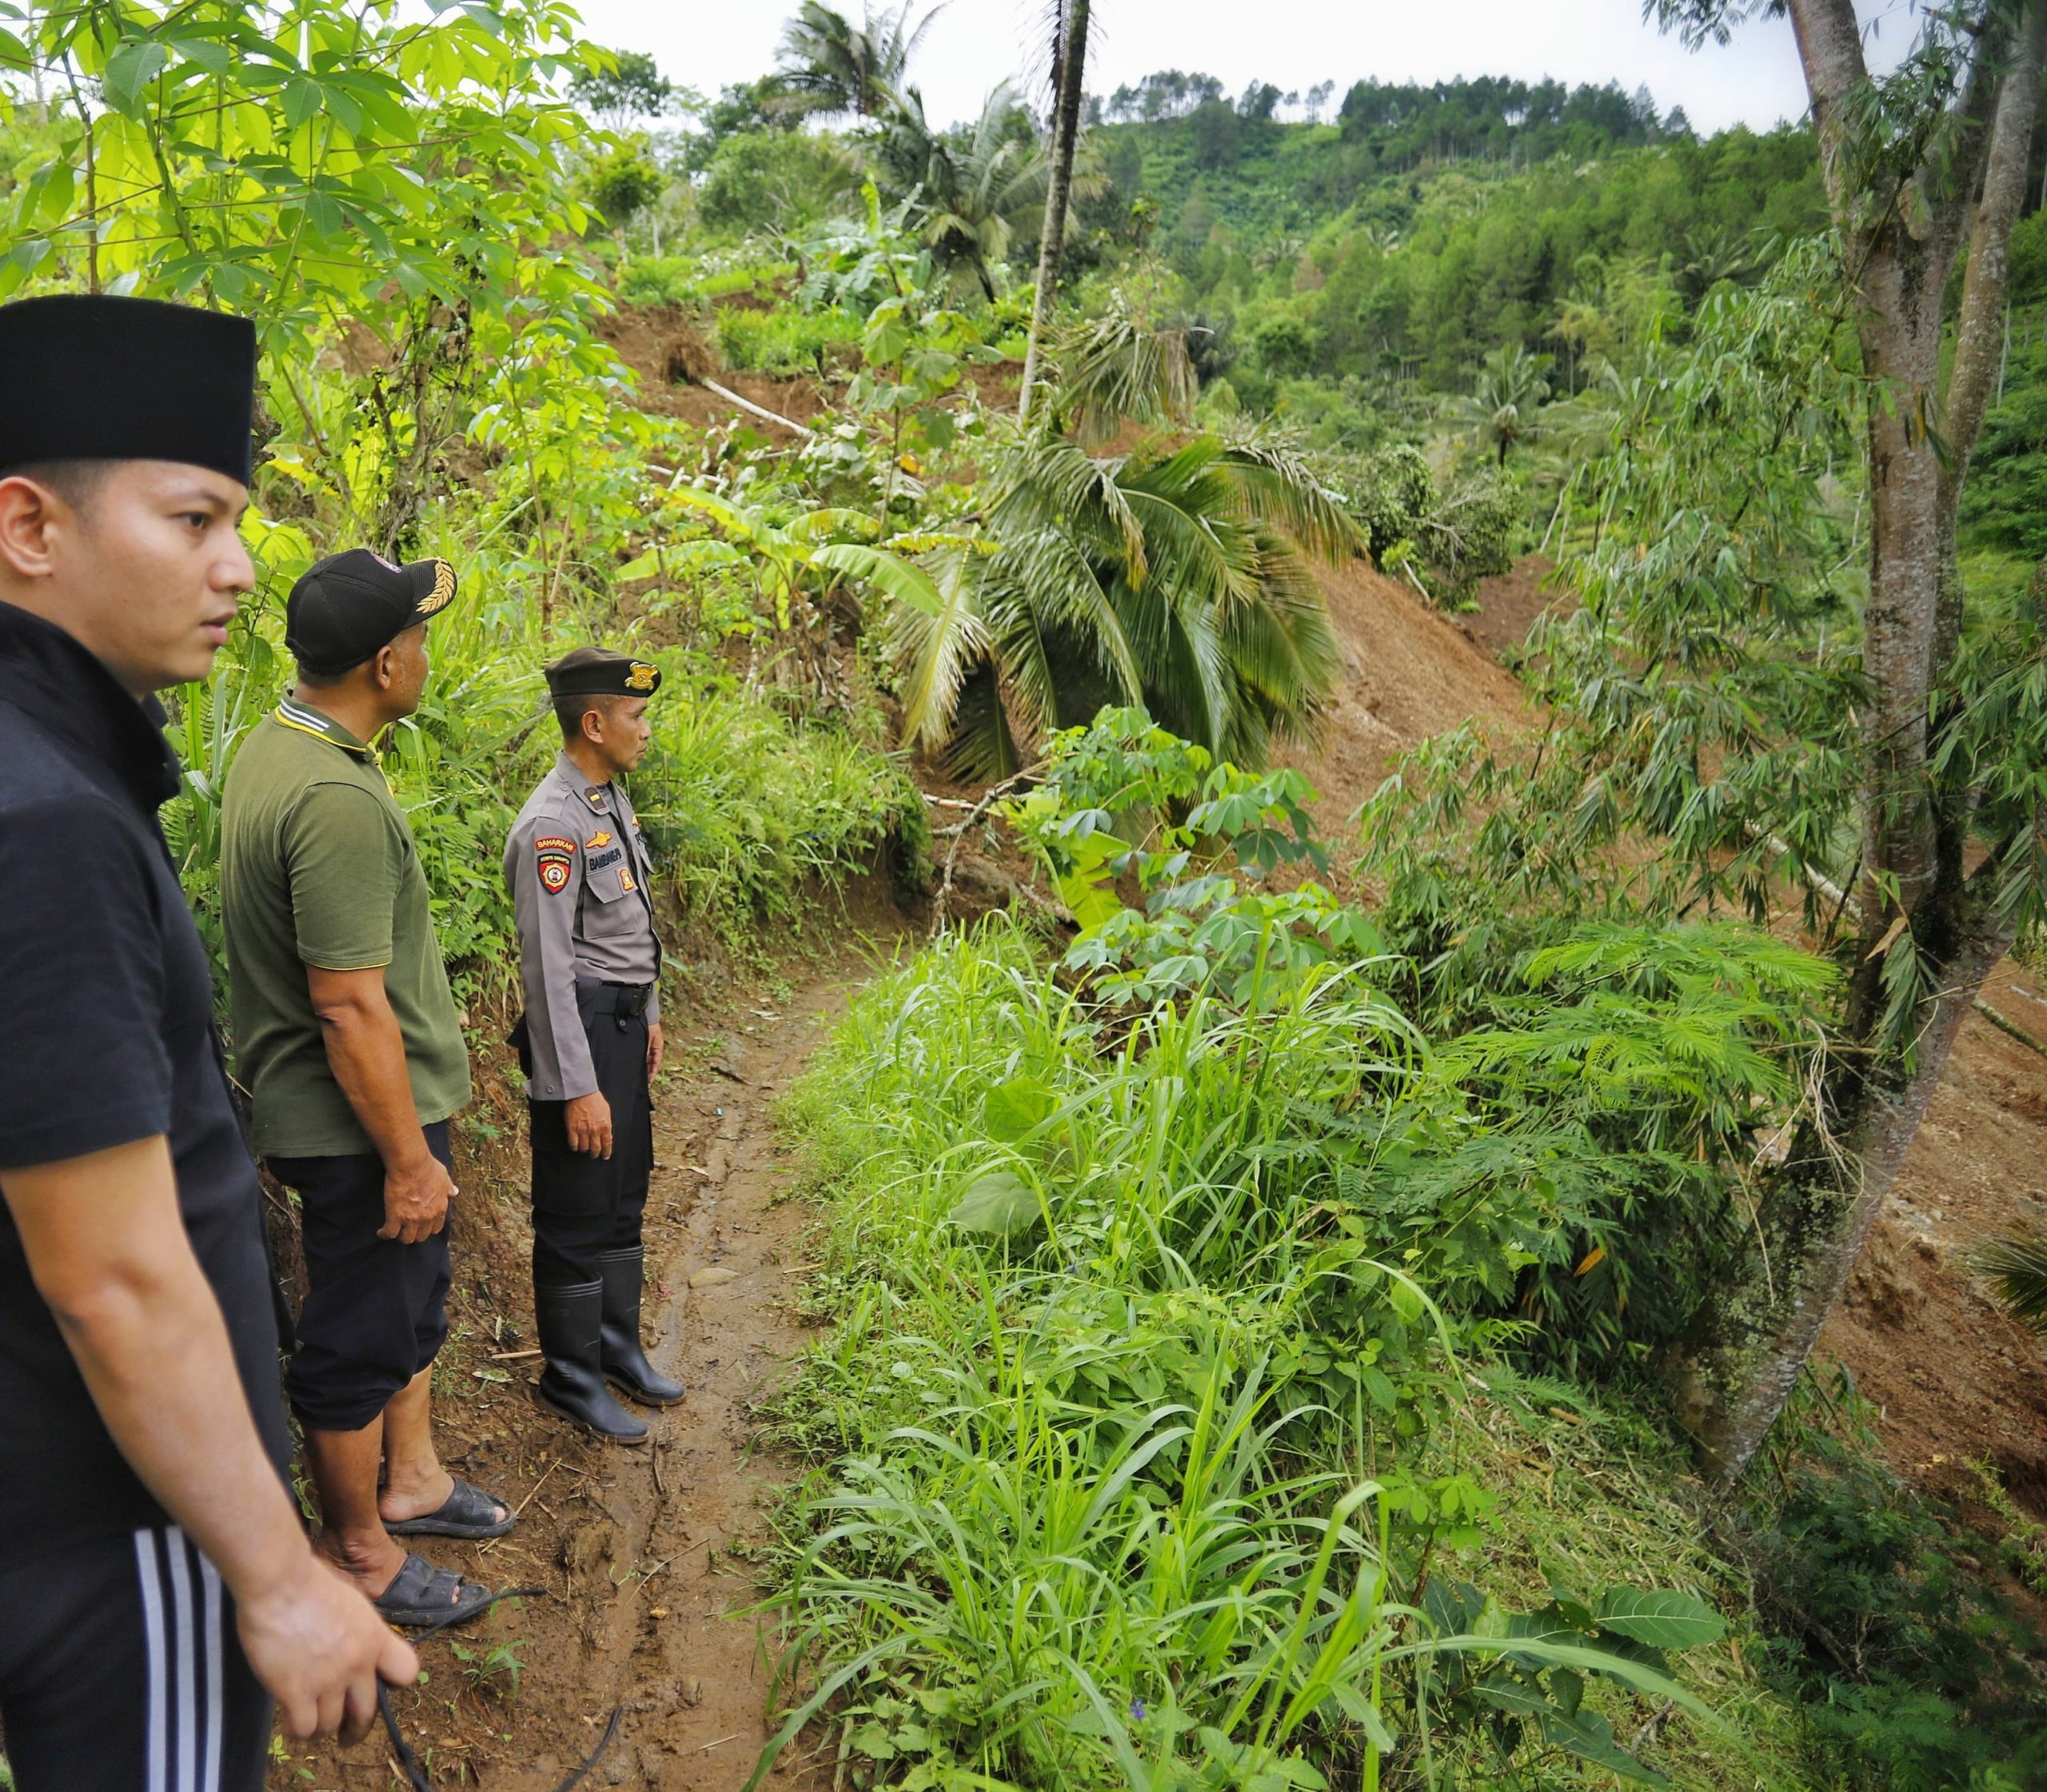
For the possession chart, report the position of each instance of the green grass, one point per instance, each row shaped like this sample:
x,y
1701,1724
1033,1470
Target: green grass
x,y
1130,1470
788,342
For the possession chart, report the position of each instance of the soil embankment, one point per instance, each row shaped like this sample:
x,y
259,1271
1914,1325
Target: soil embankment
x,y
1957,1380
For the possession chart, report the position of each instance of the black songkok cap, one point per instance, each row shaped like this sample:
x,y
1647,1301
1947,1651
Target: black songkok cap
x,y
600,672
350,604
88,377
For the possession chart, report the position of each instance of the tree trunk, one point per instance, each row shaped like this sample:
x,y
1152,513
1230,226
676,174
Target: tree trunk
x,y
1900,249
1813,1222
1071,62
1983,322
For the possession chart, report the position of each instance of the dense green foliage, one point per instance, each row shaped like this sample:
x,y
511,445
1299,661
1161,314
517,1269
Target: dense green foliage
x,y
409,322
1242,1309
1142,1264
1916,1669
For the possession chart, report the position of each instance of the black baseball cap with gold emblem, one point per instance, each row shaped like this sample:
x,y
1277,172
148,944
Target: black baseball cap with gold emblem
x,y
602,672
91,378
349,605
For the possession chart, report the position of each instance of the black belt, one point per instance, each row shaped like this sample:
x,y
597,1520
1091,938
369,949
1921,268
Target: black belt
x,y
628,1001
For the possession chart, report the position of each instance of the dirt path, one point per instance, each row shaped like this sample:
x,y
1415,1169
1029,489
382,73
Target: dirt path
x,y
643,1555
684,1519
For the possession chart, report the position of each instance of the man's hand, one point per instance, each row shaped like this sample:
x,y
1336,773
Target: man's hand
x,y
319,1648
111,1257
657,1045
589,1124
416,1200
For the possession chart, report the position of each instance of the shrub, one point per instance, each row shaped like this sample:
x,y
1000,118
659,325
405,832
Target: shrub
x,y
1913,1669
786,342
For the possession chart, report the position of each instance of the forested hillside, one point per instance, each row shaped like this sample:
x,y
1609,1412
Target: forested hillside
x,y
1291,1287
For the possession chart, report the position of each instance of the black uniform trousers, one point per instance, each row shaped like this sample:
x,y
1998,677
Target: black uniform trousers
x,y
121,1671
585,1205
376,1311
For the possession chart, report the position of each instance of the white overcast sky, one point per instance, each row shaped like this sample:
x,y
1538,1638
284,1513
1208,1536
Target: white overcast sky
x,y
1293,43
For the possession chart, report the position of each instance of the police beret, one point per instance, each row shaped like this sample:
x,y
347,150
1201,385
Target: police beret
x,y
602,671
346,607
92,378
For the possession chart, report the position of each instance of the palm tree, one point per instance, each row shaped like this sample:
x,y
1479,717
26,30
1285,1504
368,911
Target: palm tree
x,y
1069,23
1175,576
1711,256
1112,369
1505,403
830,66
977,189
2018,1266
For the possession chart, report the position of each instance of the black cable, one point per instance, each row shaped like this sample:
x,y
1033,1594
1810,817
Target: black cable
x,y
604,1743
409,1762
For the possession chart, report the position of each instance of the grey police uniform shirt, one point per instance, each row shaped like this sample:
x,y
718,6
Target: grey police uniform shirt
x,y
582,888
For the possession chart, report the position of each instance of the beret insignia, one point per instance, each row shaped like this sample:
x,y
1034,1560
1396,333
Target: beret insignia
x,y
641,676
444,589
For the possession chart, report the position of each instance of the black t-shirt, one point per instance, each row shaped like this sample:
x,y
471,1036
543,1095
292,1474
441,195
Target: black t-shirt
x,y
106,1037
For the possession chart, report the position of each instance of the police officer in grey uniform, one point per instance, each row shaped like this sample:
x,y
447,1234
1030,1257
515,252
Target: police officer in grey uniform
x,y
590,1042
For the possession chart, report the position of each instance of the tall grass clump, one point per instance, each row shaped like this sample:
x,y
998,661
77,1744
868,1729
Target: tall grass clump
x,y
1164,1434
1135,1468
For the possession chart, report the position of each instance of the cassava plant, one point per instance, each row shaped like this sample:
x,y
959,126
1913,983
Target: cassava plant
x,y
1779,676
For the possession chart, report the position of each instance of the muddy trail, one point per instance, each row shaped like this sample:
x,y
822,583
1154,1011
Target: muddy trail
x,y
645,1556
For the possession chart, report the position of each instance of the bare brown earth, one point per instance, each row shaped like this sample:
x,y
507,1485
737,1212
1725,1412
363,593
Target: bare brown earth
x,y
1509,605
1410,672
1956,1380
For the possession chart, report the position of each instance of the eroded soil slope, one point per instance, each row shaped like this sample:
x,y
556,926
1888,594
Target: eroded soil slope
x,y
1956,1379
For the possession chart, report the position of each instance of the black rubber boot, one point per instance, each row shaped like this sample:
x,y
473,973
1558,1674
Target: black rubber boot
x,y
571,1319
626,1367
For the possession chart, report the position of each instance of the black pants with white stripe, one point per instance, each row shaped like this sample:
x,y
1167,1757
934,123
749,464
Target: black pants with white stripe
x,y
120,1671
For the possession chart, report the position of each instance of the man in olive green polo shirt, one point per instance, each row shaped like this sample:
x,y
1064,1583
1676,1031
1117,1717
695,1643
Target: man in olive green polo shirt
x,y
348,1040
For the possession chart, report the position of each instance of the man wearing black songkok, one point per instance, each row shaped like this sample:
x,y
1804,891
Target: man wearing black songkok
x,y
157,1585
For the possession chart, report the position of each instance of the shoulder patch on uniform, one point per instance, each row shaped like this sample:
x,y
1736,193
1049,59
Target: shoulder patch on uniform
x,y
554,850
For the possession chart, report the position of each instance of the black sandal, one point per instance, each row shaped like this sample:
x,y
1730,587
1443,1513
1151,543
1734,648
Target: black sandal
x,y
464,1513
418,1597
